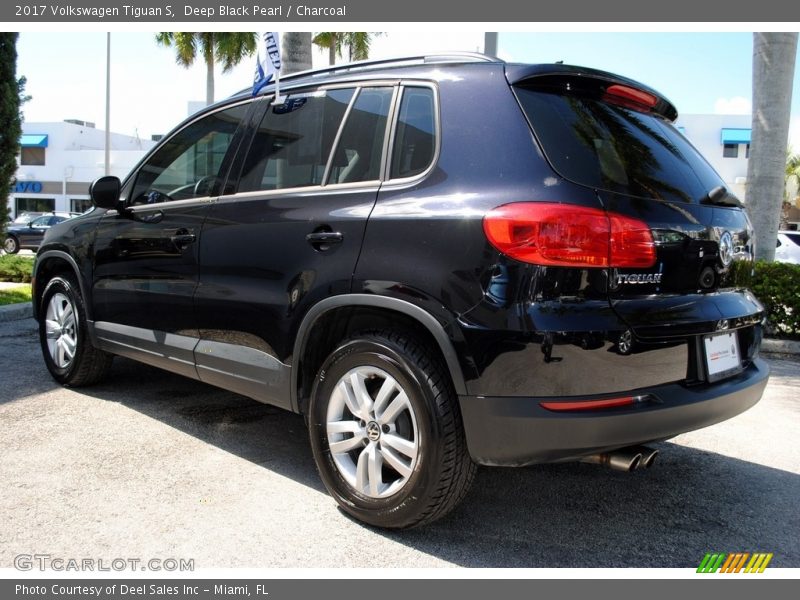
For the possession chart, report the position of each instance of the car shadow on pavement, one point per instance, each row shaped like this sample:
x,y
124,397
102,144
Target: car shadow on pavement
x,y
20,341
569,515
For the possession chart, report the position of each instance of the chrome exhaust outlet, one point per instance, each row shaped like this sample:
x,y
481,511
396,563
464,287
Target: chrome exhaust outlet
x,y
625,459
648,456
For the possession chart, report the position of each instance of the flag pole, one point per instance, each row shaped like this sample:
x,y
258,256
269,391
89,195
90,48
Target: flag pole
x,y
108,105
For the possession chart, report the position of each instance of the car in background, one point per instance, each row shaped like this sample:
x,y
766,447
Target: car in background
x,y
29,236
23,218
788,247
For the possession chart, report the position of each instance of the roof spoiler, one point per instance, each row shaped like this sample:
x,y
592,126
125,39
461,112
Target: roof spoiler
x,y
517,73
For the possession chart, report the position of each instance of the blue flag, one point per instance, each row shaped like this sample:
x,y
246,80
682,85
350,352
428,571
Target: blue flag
x,y
270,64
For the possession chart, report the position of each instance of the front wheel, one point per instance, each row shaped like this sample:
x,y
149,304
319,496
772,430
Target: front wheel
x,y
11,245
67,349
386,431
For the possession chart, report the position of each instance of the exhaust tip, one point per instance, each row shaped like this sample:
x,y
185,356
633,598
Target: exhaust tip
x,y
624,461
648,456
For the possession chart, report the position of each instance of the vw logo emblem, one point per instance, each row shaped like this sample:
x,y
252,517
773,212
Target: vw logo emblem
x,y
726,248
373,431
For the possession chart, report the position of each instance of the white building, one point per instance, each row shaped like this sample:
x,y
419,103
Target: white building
x,y
724,140
58,161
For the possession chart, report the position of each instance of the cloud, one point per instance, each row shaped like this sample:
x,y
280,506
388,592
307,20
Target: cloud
x,y
732,106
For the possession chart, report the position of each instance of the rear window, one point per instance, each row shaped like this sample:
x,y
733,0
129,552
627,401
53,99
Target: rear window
x,y
614,148
794,237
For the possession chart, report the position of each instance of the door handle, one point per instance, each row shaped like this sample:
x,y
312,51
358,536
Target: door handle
x,y
183,238
324,237
322,240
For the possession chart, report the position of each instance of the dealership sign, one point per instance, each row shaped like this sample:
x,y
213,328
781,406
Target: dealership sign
x,y
28,187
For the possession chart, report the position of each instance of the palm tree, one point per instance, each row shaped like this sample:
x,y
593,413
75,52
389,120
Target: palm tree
x,y
226,48
792,172
358,44
331,40
773,75
295,52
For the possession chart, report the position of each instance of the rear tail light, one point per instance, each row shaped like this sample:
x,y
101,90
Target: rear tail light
x,y
566,235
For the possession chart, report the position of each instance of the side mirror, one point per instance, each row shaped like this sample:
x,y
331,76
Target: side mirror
x,y
104,191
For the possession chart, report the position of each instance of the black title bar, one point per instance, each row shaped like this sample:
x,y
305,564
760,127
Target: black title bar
x,y
454,11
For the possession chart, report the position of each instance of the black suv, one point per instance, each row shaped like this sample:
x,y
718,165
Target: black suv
x,y
439,261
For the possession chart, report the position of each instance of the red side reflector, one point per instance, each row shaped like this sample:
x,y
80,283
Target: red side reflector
x,y
632,95
566,235
588,404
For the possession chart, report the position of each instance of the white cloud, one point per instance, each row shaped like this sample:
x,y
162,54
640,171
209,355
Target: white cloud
x,y
732,106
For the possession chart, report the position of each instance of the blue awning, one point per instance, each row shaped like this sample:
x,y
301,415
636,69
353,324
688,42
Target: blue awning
x,y
736,136
29,140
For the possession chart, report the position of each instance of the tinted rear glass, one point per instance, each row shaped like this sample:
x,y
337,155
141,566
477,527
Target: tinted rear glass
x,y
614,148
794,237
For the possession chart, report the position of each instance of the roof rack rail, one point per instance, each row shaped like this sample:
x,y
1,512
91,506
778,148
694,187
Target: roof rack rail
x,y
443,57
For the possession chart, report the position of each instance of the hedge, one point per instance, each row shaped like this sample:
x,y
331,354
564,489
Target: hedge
x,y
16,268
777,286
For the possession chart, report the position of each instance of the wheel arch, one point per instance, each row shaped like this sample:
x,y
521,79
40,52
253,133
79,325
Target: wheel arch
x,y
371,309
49,264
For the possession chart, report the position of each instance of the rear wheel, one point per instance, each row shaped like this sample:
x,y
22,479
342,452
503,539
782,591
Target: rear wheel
x,y
386,432
67,349
11,245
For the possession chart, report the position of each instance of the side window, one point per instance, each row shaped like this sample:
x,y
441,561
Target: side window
x,y
358,154
188,165
294,140
415,141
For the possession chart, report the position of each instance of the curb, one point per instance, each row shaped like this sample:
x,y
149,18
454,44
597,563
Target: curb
x,y
780,346
24,310
14,312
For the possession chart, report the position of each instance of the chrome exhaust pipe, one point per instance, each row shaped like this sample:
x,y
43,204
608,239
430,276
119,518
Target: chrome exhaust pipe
x,y
625,459
648,456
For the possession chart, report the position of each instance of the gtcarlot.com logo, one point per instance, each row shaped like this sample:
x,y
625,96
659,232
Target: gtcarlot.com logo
x,y
734,562
48,562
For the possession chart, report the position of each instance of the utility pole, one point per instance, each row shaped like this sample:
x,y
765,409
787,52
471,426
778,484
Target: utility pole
x,y
490,43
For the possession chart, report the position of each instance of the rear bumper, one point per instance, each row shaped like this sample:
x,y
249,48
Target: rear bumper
x,y
505,431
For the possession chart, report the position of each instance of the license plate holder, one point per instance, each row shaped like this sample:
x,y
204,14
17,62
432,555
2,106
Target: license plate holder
x,y
722,357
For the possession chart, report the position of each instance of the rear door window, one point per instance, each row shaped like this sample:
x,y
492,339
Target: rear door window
x,y
615,148
360,149
293,142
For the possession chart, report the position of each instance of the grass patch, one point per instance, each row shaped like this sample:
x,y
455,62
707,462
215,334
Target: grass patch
x,y
16,268
15,295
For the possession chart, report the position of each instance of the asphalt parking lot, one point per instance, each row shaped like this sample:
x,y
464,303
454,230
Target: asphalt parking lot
x,y
152,465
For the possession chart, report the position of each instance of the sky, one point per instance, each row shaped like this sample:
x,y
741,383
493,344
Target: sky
x,y
699,72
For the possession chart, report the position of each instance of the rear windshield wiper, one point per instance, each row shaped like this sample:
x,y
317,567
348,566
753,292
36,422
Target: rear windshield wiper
x,y
719,196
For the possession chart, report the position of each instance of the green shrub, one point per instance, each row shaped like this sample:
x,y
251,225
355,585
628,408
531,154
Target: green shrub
x,y
15,295
777,286
16,268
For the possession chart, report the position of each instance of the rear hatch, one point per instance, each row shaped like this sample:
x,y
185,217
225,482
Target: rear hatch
x,y
615,138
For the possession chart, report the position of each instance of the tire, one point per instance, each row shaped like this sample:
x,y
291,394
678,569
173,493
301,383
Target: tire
x,y
67,349
381,386
11,245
